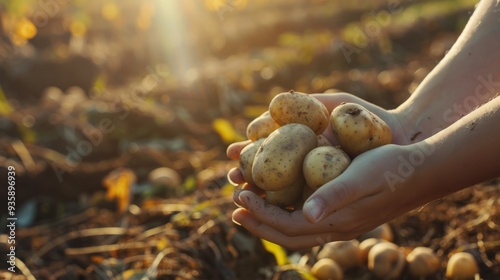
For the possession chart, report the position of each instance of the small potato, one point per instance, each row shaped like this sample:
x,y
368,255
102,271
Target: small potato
x,y
385,260
324,164
297,107
365,246
278,161
327,269
422,262
261,127
287,196
357,129
345,253
462,266
247,155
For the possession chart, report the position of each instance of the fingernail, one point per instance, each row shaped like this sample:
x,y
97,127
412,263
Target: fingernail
x,y
314,208
236,222
236,199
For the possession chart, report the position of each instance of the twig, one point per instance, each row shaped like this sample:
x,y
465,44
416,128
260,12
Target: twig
x,y
152,271
24,269
76,234
483,216
24,155
163,229
108,248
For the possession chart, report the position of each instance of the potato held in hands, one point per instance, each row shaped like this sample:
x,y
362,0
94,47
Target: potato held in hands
x,y
261,127
297,107
246,159
278,161
357,129
324,164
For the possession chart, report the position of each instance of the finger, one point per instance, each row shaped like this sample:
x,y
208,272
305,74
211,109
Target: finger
x,y
249,187
246,187
234,150
328,133
289,223
336,194
235,176
332,100
246,219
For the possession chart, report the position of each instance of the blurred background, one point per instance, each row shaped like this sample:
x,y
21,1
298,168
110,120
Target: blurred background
x,y
94,95
87,82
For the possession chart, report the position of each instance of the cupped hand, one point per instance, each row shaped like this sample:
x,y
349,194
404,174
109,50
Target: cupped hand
x,y
355,202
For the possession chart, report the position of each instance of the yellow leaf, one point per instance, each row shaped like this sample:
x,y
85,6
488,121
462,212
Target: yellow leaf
x,y
110,11
278,252
25,29
226,131
189,184
227,190
5,108
78,28
119,184
133,274
162,243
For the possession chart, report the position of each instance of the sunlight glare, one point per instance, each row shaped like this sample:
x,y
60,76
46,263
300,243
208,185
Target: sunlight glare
x,y
173,24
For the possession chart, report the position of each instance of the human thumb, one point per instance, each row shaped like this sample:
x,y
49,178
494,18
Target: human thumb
x,y
331,197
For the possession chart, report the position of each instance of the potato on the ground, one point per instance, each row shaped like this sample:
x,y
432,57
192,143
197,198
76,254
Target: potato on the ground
x,y
278,161
357,129
345,253
422,262
461,266
323,164
365,246
247,155
385,260
261,127
297,107
327,269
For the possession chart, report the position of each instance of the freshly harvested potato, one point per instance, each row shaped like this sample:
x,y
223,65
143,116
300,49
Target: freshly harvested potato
x,y
323,164
422,262
286,196
261,127
345,253
278,161
385,260
247,155
297,107
462,266
365,246
327,269
357,129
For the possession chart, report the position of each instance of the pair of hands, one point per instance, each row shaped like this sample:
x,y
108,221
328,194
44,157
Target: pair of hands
x,y
370,192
